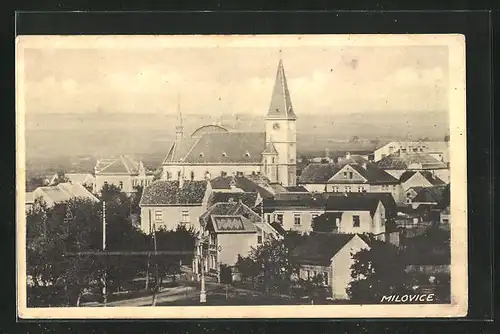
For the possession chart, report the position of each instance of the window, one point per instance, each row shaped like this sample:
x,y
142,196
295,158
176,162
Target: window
x,y
279,218
272,160
335,189
350,175
192,175
106,183
169,175
296,219
247,154
142,183
403,150
355,221
384,155
224,154
259,239
268,219
360,189
415,150
325,276
445,221
348,189
314,216
308,274
345,175
158,216
185,216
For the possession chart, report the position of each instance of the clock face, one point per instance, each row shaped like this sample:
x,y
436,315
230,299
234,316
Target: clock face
x,y
276,126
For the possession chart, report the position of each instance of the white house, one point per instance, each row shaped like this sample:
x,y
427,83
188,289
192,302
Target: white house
x,y
359,214
437,149
62,192
351,173
330,255
411,179
167,204
123,172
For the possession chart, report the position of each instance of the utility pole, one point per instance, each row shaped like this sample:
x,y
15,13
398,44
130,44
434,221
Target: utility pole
x,y
203,294
104,292
157,280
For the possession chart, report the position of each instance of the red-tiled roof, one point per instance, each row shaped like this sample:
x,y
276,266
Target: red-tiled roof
x,y
163,192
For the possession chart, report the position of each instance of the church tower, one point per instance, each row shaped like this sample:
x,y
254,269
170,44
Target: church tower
x,y
281,132
179,129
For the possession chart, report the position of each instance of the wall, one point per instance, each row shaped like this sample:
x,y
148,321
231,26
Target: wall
x,y
233,244
384,150
314,187
395,190
356,177
306,216
315,270
171,216
443,173
346,222
200,171
341,267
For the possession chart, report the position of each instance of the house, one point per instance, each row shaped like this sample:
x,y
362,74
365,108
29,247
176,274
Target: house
x,y
350,174
62,192
330,255
428,197
123,172
213,149
293,211
85,179
444,208
239,182
437,149
29,200
232,229
396,164
410,179
359,214
167,204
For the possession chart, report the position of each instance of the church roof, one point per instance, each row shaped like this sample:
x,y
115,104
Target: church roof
x,y
208,129
222,147
281,103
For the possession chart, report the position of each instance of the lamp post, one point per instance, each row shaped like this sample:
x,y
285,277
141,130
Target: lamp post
x,y
203,294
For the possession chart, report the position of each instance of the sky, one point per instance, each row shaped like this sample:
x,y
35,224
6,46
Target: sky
x,y
231,79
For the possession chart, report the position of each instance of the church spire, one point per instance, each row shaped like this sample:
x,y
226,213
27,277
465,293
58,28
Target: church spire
x,y
179,129
281,103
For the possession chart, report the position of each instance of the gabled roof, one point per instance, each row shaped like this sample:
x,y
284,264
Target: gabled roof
x,y
219,147
80,177
247,198
370,172
318,173
320,248
246,183
63,192
229,209
278,228
405,161
122,165
281,103
429,176
387,200
169,193
231,224
350,202
430,195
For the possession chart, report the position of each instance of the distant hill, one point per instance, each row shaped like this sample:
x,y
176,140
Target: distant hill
x,y
88,136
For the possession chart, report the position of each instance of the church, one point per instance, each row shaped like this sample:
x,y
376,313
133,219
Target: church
x,y
213,150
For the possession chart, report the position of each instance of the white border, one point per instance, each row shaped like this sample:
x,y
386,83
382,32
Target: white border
x,y
458,159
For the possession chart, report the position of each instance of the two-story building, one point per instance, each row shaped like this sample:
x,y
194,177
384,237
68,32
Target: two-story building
x,y
293,211
329,255
437,149
168,204
231,229
123,172
350,174
359,214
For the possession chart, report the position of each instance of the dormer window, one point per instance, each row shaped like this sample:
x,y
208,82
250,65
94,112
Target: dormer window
x,y
224,154
201,154
247,154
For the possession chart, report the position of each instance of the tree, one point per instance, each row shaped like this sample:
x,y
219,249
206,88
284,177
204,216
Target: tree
x,y
248,269
136,199
376,272
325,222
61,178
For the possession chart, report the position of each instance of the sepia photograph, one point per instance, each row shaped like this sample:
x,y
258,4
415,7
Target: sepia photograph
x,y
283,176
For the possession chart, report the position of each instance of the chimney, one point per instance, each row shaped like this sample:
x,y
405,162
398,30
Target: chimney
x,y
348,155
363,165
207,176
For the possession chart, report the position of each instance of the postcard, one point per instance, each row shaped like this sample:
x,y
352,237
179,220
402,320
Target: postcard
x,y
241,176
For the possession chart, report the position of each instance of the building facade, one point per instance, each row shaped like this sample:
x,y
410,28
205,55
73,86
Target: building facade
x,y
213,150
